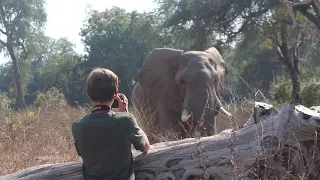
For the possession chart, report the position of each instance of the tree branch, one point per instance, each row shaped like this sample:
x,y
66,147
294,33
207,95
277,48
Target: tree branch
x,y
279,49
23,49
284,44
307,53
316,7
276,40
2,31
3,43
309,31
3,17
283,49
296,57
292,14
302,7
247,19
299,41
310,17
309,50
295,3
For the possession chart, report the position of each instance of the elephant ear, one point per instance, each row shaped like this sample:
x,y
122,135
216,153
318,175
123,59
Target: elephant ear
x,y
157,76
220,66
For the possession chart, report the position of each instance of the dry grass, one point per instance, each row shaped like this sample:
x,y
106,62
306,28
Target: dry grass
x,y
36,136
153,132
242,112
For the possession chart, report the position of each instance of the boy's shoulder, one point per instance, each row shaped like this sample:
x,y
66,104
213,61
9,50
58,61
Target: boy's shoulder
x,y
82,120
124,116
76,121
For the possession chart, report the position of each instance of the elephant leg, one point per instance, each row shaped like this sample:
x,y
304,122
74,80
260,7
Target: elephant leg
x,y
210,126
155,116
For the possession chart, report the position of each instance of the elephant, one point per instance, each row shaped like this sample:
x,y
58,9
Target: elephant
x,y
181,88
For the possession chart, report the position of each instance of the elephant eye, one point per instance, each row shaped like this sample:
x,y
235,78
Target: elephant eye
x,y
182,81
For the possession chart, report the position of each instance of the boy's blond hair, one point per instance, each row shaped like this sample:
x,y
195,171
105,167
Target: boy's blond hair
x,y
101,85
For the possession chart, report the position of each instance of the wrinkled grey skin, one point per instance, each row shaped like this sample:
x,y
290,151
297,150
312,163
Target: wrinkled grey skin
x,y
171,80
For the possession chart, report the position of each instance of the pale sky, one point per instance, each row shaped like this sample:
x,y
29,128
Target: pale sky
x,y
65,17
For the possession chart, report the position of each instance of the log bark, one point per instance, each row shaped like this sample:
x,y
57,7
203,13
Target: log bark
x,y
280,144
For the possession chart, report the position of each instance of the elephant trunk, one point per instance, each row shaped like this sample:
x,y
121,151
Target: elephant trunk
x,y
194,104
199,103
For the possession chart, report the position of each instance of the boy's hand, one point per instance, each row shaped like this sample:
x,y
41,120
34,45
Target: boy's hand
x,y
123,102
146,145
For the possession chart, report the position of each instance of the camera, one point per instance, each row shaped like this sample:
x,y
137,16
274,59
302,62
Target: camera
x,y
115,103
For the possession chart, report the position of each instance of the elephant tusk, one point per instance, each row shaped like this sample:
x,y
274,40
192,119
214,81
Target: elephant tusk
x,y
185,115
225,112
221,109
186,118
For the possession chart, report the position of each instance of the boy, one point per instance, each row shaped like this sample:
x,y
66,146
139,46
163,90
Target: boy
x,y
103,138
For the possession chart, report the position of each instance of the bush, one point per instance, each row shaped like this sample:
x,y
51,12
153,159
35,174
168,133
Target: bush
x,y
52,97
281,91
310,93
5,102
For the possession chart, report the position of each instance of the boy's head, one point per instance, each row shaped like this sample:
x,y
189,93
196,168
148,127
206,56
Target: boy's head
x,y
102,85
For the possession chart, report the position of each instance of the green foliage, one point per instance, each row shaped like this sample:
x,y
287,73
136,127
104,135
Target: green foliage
x,y
266,44
310,91
5,77
54,64
52,97
281,90
20,19
118,40
251,68
6,102
205,17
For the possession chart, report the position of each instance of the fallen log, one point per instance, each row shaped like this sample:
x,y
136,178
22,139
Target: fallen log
x,y
273,144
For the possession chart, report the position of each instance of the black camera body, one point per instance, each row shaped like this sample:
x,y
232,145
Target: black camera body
x,y
115,103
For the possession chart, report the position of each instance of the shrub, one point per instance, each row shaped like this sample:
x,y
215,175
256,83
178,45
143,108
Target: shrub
x,y
281,91
5,102
310,93
52,97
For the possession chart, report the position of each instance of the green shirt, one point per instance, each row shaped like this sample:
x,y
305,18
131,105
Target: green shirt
x,y
103,140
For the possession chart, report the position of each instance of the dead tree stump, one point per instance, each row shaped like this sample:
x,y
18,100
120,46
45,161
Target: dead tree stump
x,y
278,144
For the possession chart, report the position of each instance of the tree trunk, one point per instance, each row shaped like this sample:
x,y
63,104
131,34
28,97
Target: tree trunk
x,y
200,38
294,73
279,144
295,80
290,58
17,77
